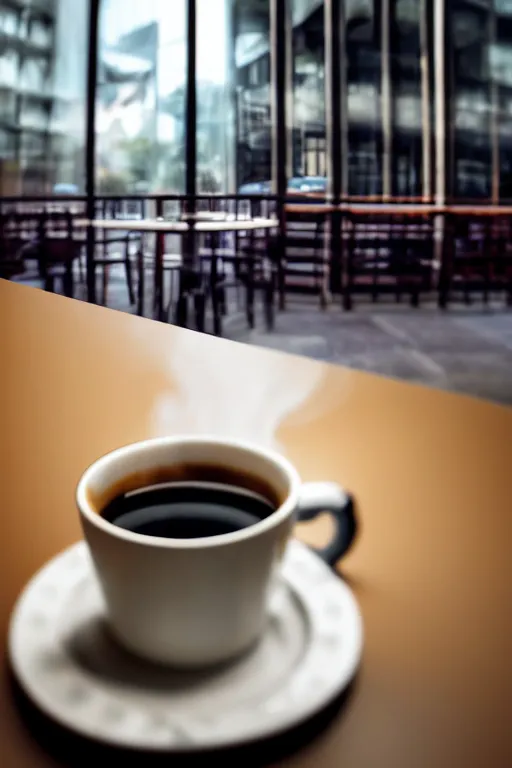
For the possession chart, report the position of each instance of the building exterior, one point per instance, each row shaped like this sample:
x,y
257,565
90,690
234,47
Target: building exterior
x,y
426,97
27,32
42,91
421,107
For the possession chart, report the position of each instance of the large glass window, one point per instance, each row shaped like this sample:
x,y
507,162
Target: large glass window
x,y
215,94
141,126
406,89
364,104
140,97
43,66
471,102
308,146
501,74
251,34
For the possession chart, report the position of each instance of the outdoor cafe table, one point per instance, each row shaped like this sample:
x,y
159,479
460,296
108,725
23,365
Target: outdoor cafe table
x,y
430,472
212,225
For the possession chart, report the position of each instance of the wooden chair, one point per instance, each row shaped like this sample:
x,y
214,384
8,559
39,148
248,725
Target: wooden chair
x,y
114,248
11,245
245,260
255,266
476,258
59,249
388,255
304,264
159,255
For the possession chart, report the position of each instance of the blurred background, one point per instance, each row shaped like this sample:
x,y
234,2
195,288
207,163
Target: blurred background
x,y
427,106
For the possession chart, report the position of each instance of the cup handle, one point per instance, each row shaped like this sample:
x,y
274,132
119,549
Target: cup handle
x,y
330,497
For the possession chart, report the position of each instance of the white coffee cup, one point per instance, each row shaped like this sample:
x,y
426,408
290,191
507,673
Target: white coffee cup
x,y
200,601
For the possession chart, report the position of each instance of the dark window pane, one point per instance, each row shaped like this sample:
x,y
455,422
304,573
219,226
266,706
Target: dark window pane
x,y
251,34
471,102
309,162
363,101
406,89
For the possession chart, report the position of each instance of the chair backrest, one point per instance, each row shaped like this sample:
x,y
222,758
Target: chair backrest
x,y
395,238
57,223
476,245
12,243
57,242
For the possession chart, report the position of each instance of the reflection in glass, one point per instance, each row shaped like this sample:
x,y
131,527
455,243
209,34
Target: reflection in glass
x,y
140,118
42,103
471,101
308,130
363,104
68,117
501,74
215,92
251,34
406,95
388,114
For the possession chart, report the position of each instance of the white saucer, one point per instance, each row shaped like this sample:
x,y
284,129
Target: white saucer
x,y
67,663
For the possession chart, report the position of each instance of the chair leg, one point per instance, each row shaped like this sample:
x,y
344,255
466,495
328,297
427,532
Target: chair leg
x,y
82,268
199,309
104,287
249,304
129,280
222,300
217,313
67,280
182,310
281,284
49,282
140,269
170,303
323,300
269,306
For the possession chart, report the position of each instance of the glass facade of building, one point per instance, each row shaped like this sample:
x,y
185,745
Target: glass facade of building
x,y
43,57
425,89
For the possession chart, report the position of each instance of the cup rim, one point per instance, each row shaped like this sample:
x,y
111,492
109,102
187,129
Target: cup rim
x,y
275,518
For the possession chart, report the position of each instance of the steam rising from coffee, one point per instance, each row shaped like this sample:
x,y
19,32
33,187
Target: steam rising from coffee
x,y
242,395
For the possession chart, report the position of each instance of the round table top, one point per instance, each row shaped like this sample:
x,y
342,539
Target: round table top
x,y
430,472
228,224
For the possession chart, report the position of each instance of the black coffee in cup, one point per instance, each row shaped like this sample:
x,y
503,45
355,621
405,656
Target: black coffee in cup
x,y
189,506
187,511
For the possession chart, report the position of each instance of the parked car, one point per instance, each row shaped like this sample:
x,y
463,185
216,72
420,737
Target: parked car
x,y
296,184
65,189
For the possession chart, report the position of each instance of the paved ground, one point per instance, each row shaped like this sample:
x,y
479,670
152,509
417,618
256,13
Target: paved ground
x,y
466,350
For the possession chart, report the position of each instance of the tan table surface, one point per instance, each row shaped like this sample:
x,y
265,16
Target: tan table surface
x,y
431,472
